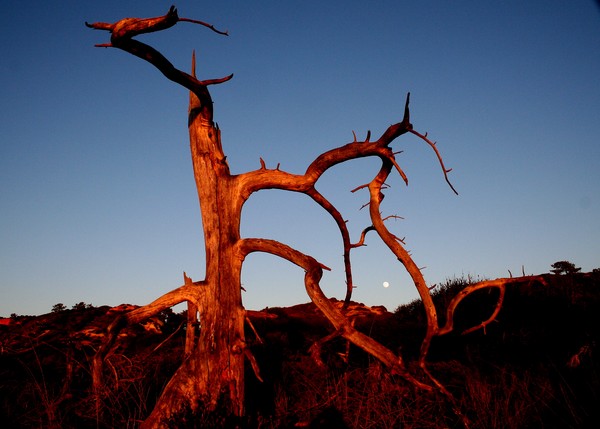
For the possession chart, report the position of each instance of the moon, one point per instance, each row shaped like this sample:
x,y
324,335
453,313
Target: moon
x,y
386,284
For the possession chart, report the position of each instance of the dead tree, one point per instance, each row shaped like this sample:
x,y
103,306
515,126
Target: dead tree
x,y
212,371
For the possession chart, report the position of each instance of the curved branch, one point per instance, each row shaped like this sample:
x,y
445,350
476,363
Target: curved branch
x,y
245,246
403,256
439,157
262,178
354,150
147,53
500,284
341,223
131,27
206,24
449,326
363,234
188,292
250,182
276,179
314,272
122,33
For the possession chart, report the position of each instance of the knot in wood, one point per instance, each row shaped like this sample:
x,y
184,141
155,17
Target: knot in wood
x,y
238,348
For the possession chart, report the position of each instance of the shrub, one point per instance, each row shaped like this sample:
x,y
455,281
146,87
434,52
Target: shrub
x,y
57,308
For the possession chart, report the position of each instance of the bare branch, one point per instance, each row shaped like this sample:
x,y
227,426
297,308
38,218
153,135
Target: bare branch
x,y
363,234
398,169
187,292
365,205
433,146
403,256
500,284
253,363
259,179
314,272
343,228
131,27
212,27
166,340
315,349
396,130
358,188
258,338
122,33
406,118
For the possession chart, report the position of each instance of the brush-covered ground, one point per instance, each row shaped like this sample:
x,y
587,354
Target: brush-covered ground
x,y
537,366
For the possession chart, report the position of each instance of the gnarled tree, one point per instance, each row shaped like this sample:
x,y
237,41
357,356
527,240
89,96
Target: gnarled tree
x,y
212,370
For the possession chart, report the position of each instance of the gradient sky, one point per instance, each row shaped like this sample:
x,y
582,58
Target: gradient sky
x,y
97,197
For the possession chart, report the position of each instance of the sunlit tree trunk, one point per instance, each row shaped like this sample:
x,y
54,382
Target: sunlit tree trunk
x,y
211,375
213,372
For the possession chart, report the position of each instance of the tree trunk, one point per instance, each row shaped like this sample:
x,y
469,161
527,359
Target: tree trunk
x,y
213,373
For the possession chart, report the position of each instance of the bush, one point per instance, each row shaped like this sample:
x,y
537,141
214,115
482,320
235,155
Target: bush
x,y
564,267
57,308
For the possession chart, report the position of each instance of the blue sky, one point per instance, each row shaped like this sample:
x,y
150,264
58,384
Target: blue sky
x,y
97,194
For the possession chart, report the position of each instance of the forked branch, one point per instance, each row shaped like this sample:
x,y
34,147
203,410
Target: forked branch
x,y
131,27
122,33
187,292
499,284
313,273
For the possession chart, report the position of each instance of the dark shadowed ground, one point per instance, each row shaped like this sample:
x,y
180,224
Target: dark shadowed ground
x,y
537,366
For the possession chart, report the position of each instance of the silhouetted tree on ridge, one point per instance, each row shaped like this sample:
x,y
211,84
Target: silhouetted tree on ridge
x,y
564,267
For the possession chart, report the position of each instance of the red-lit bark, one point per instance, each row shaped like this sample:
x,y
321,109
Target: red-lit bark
x,y
212,371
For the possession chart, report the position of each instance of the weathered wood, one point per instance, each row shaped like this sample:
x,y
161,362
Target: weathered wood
x,y
212,371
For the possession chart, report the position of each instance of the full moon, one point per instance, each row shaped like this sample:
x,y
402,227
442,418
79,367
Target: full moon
x,y
386,284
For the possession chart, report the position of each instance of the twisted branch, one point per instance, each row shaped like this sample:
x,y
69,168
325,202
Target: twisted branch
x,y
187,292
499,284
313,273
439,157
122,33
341,224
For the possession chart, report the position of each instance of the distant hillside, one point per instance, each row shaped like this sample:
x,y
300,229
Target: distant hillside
x,y
537,366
